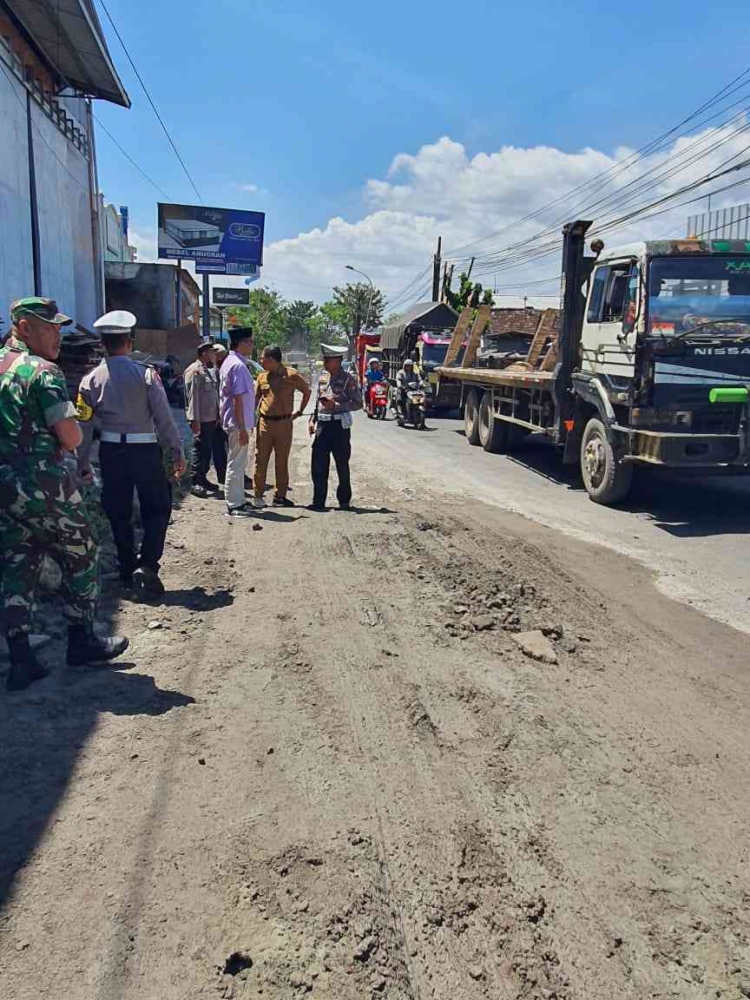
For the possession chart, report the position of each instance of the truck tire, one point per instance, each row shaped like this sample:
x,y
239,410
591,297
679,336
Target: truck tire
x,y
607,480
471,417
493,433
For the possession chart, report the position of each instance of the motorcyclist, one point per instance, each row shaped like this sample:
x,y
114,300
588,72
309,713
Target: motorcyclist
x,y
407,380
374,372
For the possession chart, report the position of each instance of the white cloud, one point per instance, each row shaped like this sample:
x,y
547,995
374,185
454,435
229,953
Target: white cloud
x,y
249,188
441,191
145,244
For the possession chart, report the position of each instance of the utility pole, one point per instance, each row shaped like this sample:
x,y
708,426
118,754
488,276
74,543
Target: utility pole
x,y
436,261
206,308
447,280
471,265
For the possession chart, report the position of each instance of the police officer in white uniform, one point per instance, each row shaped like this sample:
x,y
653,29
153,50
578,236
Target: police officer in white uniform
x,y
128,401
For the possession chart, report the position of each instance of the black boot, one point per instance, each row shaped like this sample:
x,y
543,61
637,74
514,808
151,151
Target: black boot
x,y
85,646
147,583
24,666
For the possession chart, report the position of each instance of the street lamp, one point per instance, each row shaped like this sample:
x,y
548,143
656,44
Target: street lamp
x,y
349,267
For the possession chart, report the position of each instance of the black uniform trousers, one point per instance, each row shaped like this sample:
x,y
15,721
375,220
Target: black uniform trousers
x,y
331,439
210,442
128,467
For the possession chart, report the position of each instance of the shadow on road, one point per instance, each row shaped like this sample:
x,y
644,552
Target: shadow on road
x,y
688,507
685,506
369,510
197,598
42,734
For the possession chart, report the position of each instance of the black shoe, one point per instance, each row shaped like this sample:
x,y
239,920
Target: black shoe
x,y
244,510
85,646
209,486
199,491
345,506
147,582
317,506
25,669
282,502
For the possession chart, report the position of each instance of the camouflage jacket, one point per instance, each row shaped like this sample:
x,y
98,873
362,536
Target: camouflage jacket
x,y
33,397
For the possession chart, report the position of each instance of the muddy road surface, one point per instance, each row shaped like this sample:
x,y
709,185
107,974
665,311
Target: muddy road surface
x,y
424,749
693,533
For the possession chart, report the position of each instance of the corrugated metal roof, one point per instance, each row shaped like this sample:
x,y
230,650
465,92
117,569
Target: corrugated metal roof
x,y
70,37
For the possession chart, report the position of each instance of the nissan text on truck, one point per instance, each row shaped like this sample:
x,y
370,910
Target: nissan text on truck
x,y
650,366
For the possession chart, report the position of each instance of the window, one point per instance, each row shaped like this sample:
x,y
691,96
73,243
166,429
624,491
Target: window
x,y
611,291
601,274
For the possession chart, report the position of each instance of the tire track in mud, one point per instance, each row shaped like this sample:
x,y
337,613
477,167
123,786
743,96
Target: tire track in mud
x,y
406,699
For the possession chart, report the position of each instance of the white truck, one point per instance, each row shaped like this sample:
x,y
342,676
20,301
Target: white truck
x,y
650,365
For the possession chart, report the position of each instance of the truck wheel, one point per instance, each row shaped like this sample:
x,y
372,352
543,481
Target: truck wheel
x,y
471,417
606,479
493,433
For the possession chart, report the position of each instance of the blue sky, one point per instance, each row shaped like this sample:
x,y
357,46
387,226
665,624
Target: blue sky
x,y
293,107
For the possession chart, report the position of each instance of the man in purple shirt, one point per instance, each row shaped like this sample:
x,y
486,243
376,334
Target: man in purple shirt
x,y
237,393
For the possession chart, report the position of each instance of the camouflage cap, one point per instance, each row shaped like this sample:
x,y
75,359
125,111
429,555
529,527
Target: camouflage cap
x,y
45,309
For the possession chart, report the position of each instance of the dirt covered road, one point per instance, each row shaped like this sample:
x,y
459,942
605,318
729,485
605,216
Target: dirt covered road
x,y
336,766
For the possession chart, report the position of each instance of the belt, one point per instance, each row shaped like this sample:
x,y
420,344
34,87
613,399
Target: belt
x,y
112,437
284,416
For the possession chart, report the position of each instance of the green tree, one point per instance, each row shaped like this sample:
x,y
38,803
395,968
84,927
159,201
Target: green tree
x,y
265,314
362,306
328,326
469,294
298,317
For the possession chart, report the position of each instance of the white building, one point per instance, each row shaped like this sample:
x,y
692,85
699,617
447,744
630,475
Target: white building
x,y
53,61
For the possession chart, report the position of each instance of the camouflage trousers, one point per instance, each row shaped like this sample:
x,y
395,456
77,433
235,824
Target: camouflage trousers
x,y
43,513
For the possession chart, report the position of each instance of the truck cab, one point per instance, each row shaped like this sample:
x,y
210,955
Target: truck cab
x,y
665,341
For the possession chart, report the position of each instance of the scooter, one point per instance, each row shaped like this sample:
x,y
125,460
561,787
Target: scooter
x,y
414,411
377,401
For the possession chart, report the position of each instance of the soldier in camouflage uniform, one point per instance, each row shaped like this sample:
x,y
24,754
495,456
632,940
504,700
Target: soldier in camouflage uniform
x,y
41,509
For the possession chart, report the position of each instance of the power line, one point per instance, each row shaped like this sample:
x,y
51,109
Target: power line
x,y
127,156
654,145
150,101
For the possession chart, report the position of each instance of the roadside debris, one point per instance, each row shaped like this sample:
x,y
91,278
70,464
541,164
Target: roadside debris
x,y
536,645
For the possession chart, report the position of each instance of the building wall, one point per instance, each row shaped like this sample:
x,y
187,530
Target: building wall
x,y
115,246
16,271
68,251
148,291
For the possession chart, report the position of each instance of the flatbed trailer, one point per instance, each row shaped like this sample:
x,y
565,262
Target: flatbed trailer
x,y
650,365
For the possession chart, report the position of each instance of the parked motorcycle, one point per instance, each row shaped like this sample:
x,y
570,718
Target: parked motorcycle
x,y
377,401
413,411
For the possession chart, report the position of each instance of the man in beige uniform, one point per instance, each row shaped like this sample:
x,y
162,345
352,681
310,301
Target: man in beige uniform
x,y
131,406
274,392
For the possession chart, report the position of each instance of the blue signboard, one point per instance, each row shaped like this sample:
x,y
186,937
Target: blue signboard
x,y
237,270
217,239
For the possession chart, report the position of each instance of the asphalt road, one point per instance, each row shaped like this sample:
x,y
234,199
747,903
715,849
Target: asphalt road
x,y
692,533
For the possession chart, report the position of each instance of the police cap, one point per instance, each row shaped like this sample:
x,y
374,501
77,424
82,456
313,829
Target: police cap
x,y
115,323
329,351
